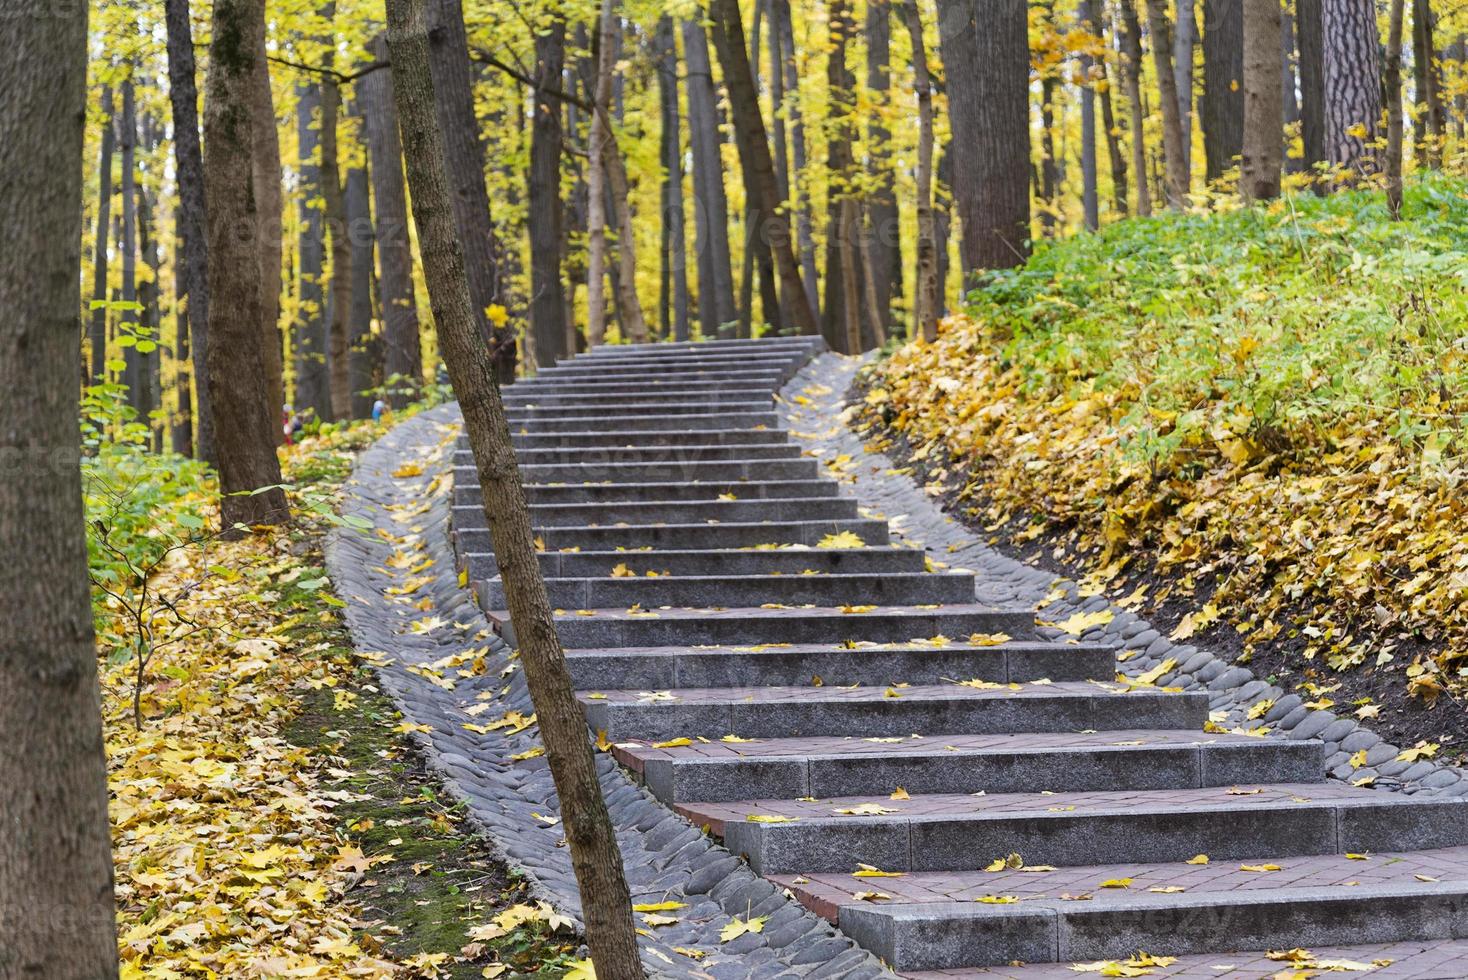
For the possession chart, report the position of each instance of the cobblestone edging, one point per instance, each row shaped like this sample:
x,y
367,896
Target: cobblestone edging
x,y
666,857
817,419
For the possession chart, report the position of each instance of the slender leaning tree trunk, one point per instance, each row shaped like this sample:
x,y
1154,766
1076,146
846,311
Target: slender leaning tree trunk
x,y
1176,157
269,202
595,856
1108,117
883,243
338,333
1263,156
988,64
1131,42
127,241
243,420
97,335
839,322
1090,197
56,914
716,308
1394,110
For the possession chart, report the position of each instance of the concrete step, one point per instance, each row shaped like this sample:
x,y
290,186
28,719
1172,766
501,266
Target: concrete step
x,y
752,378
591,456
875,712
663,384
694,361
579,493
693,536
602,513
590,564
935,921
613,438
546,398
924,660
706,465
810,345
947,832
573,422
609,628
615,411
1066,762
605,592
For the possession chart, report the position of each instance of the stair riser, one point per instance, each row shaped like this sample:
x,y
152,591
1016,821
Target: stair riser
x,y
755,379
476,537
589,565
612,413
1073,839
956,935
540,493
807,345
721,399
893,718
567,422
632,471
606,438
685,512
1115,768
686,362
666,384
612,593
593,459
863,665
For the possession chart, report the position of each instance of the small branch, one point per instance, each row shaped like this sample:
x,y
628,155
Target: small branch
x,y
524,79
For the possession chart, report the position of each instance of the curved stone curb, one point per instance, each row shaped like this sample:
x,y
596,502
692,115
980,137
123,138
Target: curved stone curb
x,y
820,419
666,857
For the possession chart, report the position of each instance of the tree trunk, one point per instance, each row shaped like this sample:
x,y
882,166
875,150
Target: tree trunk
x,y
1090,198
595,856
127,244
989,109
629,307
243,419
1288,81
711,211
365,358
1172,126
1394,110
339,329
883,242
1352,85
1184,40
402,357
596,203
548,314
464,157
1311,41
757,257
1222,105
676,246
57,914
1263,153
1430,120
183,422
925,295
1049,164
97,335
797,185
149,373
772,224
265,173
1132,74
313,384
839,320
1108,119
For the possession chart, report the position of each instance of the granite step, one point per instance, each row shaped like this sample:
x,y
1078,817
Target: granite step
x,y
752,378
876,712
551,397
570,421
605,591
926,660
741,625
739,561
615,411
1061,762
605,512
808,344
475,536
682,363
936,920
581,493
603,437
665,384
679,455
954,832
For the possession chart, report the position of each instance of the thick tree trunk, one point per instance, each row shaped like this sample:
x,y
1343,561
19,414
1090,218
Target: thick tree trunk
x,y
243,419
796,188
1311,41
925,295
595,856
840,319
548,314
1132,74
773,225
1109,124
365,358
1263,153
675,247
464,156
882,242
716,309
97,335
1172,127
1090,196
313,383
1394,111
1222,105
55,855
339,329
1352,85
265,173
127,244
989,108
402,356
1184,40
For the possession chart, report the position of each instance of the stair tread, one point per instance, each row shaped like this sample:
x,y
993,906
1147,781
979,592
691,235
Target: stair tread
x,y
776,614
870,693
717,649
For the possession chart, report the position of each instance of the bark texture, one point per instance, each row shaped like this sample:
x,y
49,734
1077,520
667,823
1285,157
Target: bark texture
x,y
1222,105
338,335
313,382
548,313
1394,111
97,332
56,913
1131,43
883,234
925,296
269,203
711,210
673,303
243,421
595,856
840,319
988,69
1311,45
1173,138
1350,43
365,356
1263,153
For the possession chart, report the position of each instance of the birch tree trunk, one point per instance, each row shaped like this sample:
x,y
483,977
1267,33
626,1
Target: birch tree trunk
x,y
595,856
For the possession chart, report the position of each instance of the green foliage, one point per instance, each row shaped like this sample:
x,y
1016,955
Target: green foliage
x,y
1289,325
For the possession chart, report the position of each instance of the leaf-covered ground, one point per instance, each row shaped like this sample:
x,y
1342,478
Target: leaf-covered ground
x,y
267,819
1249,425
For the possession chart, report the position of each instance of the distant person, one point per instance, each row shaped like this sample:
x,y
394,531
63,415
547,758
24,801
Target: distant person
x,y
379,407
288,424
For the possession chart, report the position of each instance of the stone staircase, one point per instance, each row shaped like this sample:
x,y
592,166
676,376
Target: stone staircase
x,y
827,710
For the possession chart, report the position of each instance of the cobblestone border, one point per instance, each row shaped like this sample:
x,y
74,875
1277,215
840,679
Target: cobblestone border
x,y
817,418
666,857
